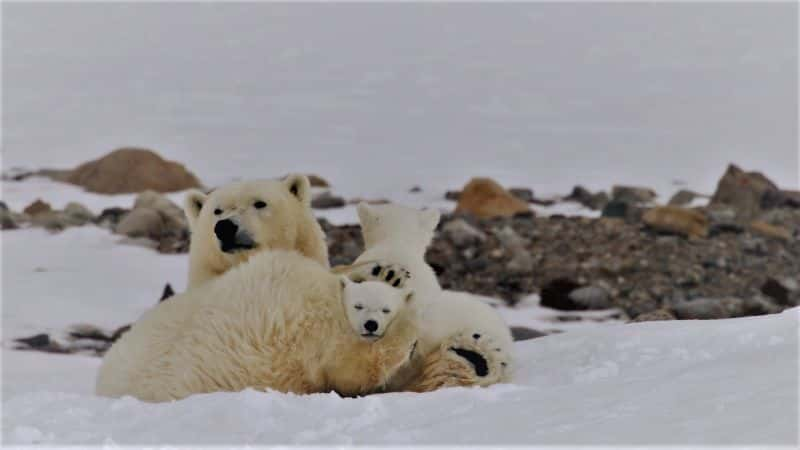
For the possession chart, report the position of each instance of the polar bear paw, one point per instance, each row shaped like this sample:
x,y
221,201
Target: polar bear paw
x,y
392,274
481,351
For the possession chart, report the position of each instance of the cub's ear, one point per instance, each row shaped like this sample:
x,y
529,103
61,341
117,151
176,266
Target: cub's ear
x,y
343,282
192,205
299,186
430,219
366,214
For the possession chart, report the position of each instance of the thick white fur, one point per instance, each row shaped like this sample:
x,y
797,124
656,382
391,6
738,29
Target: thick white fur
x,y
287,223
275,322
400,235
374,301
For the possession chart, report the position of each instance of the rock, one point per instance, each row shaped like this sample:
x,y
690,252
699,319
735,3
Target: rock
x,y
119,332
580,194
36,341
742,191
462,233
3,206
524,194
781,291
452,195
415,190
326,200
521,260
709,308
621,210
167,293
369,201
633,194
37,207
509,238
591,297
51,221
674,219
780,199
77,214
111,217
759,305
770,231
555,294
7,220
653,316
684,197
173,215
142,222
86,331
129,170
525,333
317,181
484,198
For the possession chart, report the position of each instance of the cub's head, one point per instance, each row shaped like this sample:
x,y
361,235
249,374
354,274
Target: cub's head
x,y
234,221
371,306
380,223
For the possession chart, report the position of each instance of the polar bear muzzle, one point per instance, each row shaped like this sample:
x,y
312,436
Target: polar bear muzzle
x,y
232,236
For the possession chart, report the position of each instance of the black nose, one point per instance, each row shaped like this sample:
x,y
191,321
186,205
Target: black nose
x,y
371,326
226,230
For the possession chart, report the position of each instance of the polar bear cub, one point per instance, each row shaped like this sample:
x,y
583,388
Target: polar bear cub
x,y
371,306
466,326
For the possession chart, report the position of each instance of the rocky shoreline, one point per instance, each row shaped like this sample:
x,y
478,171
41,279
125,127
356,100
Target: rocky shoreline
x,y
737,255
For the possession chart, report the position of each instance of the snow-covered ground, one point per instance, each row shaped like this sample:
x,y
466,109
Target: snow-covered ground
x,y
379,98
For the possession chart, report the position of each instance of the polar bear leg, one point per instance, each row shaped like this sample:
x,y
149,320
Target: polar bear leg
x,y
393,274
463,360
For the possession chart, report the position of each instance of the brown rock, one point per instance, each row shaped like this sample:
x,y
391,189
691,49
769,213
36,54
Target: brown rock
x,y
674,219
633,194
683,197
653,316
37,207
771,231
317,181
131,170
484,198
326,200
742,191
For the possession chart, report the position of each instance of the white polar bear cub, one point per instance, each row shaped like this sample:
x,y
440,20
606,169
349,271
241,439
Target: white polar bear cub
x,y
371,307
401,235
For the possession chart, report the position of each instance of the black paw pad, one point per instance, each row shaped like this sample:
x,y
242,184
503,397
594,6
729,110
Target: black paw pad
x,y
474,358
396,282
389,275
376,271
476,336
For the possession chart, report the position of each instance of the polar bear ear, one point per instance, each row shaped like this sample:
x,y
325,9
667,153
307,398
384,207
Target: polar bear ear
x,y
299,186
343,282
430,219
366,214
192,205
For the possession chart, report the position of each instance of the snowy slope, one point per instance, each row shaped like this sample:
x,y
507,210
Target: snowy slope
x,y
679,383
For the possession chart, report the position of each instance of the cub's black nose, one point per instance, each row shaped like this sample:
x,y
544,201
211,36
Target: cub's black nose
x,y
226,230
371,326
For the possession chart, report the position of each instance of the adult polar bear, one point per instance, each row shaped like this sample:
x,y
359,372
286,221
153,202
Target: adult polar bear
x,y
277,322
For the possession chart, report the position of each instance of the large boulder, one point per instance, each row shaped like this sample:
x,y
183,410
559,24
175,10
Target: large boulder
x,y
155,217
130,170
674,219
485,198
742,191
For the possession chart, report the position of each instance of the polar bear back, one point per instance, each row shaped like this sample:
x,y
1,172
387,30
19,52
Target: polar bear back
x,y
224,334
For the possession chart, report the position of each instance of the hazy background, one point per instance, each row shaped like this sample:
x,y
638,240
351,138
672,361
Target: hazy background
x,y
545,95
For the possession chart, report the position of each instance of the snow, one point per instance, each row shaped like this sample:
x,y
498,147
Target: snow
x,y
671,383
377,99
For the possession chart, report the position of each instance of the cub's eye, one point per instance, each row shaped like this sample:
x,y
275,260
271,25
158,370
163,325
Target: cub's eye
x,y
359,307
217,212
260,205
386,310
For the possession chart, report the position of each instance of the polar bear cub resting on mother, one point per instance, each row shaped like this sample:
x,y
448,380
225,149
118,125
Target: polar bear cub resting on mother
x,y
276,322
463,341
372,306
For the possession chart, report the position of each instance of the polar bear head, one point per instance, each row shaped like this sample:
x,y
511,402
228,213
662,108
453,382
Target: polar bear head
x,y
381,223
237,220
371,306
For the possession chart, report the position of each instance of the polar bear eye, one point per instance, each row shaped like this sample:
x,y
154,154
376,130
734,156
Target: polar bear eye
x,y
217,212
386,310
260,204
358,307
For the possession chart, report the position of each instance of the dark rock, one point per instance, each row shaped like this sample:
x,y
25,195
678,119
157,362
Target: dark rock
x,y
86,331
35,341
556,294
415,190
684,197
119,332
617,209
317,181
7,220
3,206
779,291
524,333
111,217
633,194
780,199
167,293
326,200
452,195
580,194
524,194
